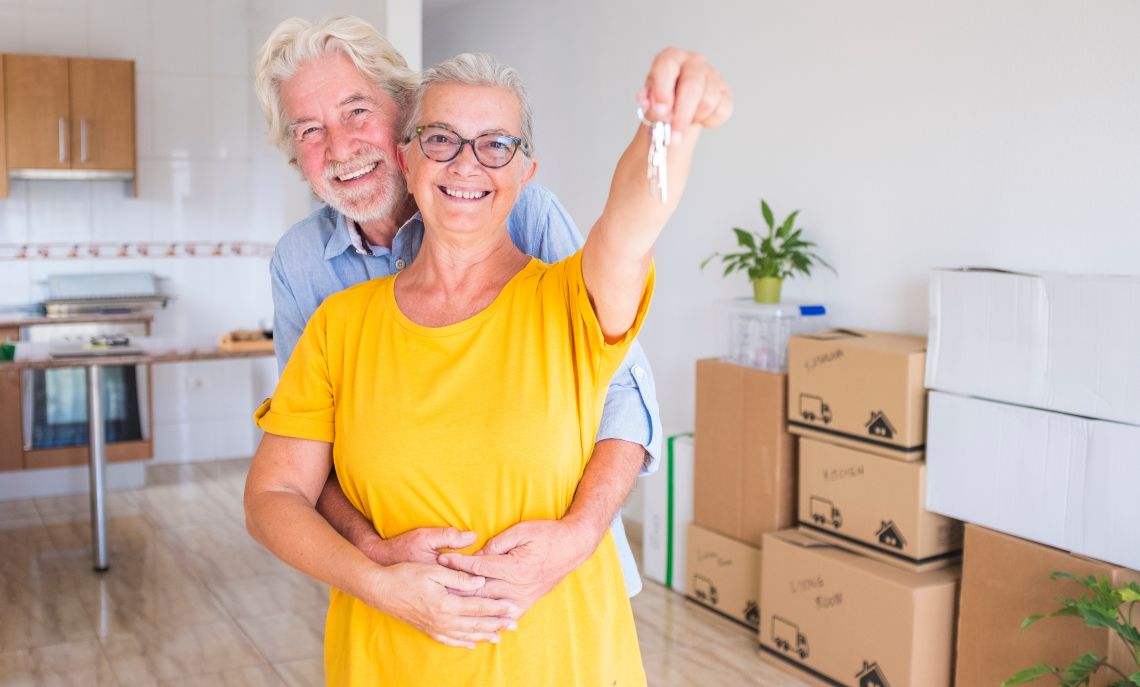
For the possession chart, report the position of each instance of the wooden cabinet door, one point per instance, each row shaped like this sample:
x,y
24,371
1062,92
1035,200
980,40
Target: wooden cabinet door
x,y
36,95
3,138
102,114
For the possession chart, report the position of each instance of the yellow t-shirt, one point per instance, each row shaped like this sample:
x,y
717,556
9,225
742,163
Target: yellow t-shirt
x,y
477,425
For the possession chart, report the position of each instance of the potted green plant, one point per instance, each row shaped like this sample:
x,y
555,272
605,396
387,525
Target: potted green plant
x,y
770,259
1106,607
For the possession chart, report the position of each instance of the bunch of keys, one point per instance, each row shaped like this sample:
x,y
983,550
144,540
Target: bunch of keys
x,y
657,172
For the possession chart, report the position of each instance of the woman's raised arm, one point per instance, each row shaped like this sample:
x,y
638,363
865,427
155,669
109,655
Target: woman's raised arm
x,y
682,88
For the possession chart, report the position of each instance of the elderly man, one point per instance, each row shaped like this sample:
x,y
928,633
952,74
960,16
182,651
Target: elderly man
x,y
335,96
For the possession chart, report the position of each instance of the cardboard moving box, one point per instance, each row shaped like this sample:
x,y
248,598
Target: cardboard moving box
x,y
1062,342
1061,480
859,388
744,481
667,510
724,575
874,506
1004,580
849,620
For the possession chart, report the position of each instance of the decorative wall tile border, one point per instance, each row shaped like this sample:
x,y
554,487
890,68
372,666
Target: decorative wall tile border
x,y
139,249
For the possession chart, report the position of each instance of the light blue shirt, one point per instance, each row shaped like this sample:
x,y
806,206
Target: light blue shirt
x,y
323,254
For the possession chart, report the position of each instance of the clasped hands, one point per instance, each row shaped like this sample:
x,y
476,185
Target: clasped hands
x,y
460,599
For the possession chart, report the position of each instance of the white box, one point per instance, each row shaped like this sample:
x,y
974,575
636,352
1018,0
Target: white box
x,y
1057,479
673,482
1063,342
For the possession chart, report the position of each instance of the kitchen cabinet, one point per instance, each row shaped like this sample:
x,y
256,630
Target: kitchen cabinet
x,y
11,415
69,118
3,138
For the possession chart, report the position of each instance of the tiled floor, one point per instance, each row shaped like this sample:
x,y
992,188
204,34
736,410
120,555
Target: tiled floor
x,y
192,600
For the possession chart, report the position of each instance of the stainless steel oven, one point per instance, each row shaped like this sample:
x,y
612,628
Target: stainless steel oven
x,y
55,401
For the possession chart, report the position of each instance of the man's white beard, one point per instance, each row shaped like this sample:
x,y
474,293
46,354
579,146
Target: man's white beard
x,y
380,199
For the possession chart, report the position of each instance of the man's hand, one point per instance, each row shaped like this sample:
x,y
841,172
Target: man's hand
x,y
440,603
422,545
417,546
525,561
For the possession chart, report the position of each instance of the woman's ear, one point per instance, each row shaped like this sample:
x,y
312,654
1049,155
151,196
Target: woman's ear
x,y
532,167
402,162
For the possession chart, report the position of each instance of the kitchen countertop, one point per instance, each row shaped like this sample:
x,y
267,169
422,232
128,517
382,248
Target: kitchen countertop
x,y
155,349
7,321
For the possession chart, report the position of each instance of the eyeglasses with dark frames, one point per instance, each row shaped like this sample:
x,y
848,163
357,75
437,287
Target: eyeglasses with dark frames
x,y
441,143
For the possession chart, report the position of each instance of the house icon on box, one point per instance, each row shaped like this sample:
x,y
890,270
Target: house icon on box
x,y
889,535
880,426
872,676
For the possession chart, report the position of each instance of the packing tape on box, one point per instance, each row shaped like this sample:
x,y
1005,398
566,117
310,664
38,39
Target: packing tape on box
x,y
669,534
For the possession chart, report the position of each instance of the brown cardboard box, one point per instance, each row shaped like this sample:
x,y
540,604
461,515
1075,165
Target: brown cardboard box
x,y
744,477
859,388
854,621
1006,579
723,574
873,506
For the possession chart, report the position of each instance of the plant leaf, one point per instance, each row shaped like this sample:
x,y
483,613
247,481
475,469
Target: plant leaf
x,y
767,212
1029,675
788,224
1129,594
745,238
1134,678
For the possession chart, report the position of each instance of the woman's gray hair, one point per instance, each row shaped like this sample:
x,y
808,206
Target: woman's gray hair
x,y
295,41
474,69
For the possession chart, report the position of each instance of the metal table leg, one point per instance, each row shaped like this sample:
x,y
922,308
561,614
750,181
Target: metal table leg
x,y
97,447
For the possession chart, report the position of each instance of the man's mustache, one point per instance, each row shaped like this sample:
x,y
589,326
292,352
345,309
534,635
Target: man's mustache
x,y
365,157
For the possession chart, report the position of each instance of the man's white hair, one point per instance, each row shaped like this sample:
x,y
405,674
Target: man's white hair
x,y
475,69
295,41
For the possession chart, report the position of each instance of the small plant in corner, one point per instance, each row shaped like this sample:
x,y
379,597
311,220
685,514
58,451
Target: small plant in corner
x,y
1104,606
772,258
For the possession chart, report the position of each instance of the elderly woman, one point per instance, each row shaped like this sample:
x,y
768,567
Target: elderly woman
x,y
493,359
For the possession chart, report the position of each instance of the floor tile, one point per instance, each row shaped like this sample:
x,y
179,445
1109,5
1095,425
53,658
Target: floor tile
x,y
284,592
285,637
309,672
81,664
178,651
249,676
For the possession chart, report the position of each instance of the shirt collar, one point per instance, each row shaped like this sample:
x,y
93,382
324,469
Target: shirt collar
x,y
341,239
346,235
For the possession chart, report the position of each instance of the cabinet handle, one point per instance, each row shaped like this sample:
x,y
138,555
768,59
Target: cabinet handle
x,y
62,140
83,140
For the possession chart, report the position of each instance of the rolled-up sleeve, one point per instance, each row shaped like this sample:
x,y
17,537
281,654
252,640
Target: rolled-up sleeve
x,y
631,412
303,404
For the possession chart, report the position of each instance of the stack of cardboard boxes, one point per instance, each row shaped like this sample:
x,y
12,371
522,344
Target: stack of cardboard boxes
x,y
864,593
744,484
1033,431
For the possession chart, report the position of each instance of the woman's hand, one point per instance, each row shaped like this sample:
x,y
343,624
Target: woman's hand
x,y
422,596
683,89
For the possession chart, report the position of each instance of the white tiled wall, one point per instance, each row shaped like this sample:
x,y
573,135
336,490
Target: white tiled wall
x,y
205,173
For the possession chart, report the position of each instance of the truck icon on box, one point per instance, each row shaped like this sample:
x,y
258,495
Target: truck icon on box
x,y
812,409
705,590
824,512
787,637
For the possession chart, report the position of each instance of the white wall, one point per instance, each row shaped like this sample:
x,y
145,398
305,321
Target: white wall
x,y
911,135
206,172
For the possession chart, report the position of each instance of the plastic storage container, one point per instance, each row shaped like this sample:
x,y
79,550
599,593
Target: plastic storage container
x,y
758,333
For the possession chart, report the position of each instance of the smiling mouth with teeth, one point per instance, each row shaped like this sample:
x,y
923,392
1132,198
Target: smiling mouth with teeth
x,y
358,173
467,195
